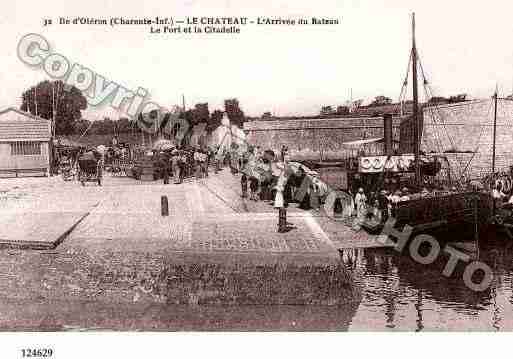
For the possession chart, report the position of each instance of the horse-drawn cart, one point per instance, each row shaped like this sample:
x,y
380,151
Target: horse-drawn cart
x,y
90,168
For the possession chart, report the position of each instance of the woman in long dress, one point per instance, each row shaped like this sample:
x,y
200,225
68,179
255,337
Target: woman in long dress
x,y
360,201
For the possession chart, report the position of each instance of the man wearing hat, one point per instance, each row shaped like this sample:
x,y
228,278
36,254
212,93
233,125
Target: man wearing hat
x,y
164,165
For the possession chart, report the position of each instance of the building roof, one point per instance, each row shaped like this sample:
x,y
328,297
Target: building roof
x,y
16,125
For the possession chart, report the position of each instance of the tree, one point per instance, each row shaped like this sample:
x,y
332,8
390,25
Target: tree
x,y
233,111
103,127
266,115
214,120
326,110
458,98
380,101
124,125
48,97
342,110
201,113
189,117
80,126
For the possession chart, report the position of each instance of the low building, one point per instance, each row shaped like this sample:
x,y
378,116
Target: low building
x,y
24,144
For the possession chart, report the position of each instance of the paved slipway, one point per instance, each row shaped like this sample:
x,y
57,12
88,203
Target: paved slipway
x,y
105,258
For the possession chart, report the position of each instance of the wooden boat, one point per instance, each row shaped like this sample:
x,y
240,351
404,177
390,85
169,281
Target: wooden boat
x,y
440,211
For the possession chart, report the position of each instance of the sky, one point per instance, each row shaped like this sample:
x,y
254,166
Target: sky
x,y
465,47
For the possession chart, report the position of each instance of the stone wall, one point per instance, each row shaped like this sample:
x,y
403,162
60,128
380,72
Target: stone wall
x,y
464,132
311,139
172,278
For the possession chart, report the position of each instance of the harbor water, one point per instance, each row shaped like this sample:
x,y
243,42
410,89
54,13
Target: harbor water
x,y
400,294
397,295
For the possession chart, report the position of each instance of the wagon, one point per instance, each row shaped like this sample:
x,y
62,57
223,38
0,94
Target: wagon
x,y
66,169
90,168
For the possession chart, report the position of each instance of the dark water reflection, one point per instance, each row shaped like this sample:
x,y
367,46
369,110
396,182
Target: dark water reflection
x,y
399,294
93,316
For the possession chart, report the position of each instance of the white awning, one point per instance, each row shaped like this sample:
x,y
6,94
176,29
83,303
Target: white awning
x,y
363,142
163,144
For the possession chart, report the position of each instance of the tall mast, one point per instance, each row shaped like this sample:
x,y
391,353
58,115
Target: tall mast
x,y
35,98
53,108
416,130
494,130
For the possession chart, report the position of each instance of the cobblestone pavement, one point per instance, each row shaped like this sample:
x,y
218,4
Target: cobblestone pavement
x,y
126,213
203,216
125,251
339,232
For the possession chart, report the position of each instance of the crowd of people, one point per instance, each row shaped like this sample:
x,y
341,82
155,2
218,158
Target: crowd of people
x,y
375,207
264,174
186,162
261,178
500,195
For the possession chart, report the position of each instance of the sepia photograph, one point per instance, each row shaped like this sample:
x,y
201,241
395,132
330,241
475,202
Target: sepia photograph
x,y
254,167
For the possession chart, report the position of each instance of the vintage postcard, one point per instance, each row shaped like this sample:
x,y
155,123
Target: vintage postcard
x,y
223,166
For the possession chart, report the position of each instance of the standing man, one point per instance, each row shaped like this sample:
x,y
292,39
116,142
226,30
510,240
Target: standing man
x,y
234,159
214,158
190,162
383,204
245,170
197,165
164,163
203,156
175,166
283,152
210,156
182,163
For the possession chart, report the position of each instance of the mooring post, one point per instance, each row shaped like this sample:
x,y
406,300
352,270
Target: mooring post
x,y
282,220
476,224
476,228
164,206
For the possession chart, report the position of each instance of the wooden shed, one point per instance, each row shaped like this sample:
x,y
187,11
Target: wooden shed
x,y
24,144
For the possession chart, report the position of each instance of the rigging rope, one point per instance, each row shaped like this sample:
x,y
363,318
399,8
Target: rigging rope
x,y
477,146
405,83
429,93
